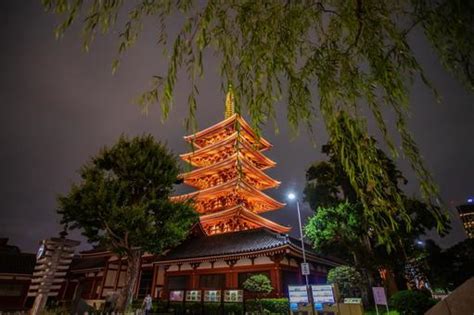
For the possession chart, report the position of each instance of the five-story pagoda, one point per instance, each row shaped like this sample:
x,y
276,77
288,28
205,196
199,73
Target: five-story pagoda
x,y
229,175
233,240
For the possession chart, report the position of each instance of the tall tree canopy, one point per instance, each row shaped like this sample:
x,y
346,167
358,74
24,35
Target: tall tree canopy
x,y
341,227
122,203
351,56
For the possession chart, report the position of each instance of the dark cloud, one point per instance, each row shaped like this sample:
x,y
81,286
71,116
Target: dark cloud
x,y
60,105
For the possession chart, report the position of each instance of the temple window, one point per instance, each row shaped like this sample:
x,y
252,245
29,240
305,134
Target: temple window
x,y
212,281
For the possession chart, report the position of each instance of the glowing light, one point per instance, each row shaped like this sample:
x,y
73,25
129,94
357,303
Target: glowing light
x,y
291,196
470,200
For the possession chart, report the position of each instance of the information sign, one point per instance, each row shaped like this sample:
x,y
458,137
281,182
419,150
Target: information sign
x,y
298,295
352,301
233,296
212,296
323,293
379,296
177,296
193,296
305,269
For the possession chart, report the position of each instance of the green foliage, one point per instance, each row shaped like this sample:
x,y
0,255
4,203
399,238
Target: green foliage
x,y
233,308
192,307
122,203
450,268
340,226
411,302
337,230
176,308
353,57
449,26
212,308
271,306
259,284
348,280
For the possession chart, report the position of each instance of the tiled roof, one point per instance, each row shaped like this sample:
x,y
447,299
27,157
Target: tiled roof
x,y
84,263
227,244
17,263
309,250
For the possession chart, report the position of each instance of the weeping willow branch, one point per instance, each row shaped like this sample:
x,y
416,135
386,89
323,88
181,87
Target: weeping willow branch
x,y
351,55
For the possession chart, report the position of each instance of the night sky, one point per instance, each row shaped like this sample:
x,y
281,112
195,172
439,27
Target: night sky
x,y
60,105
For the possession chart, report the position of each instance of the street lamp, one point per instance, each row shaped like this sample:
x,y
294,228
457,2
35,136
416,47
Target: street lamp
x,y
292,196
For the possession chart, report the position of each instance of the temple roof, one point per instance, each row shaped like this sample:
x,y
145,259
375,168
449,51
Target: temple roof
x,y
228,169
223,129
237,190
241,213
249,243
89,263
228,244
17,263
217,152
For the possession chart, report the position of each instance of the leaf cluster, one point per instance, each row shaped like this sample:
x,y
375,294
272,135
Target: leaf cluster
x,y
258,284
122,201
352,57
349,281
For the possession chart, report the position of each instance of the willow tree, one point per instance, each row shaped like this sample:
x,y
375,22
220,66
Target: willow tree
x,y
331,58
122,203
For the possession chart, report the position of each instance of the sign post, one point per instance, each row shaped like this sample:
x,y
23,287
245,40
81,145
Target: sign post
x,y
298,297
52,262
380,298
322,294
305,269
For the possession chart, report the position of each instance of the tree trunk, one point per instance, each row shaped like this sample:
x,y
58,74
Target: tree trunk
x,y
126,292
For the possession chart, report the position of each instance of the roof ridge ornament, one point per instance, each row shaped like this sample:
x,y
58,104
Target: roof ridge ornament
x,y
229,102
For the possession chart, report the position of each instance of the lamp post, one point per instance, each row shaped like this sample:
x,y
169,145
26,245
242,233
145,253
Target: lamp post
x,y
292,196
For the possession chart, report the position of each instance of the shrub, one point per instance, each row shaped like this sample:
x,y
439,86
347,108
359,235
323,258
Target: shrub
x,y
212,308
411,302
233,308
348,280
272,306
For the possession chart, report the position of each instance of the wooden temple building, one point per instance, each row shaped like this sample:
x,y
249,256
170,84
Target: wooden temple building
x,y
232,242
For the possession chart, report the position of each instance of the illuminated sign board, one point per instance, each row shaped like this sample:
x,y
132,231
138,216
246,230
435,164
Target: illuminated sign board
x,y
298,296
323,294
212,296
193,296
177,296
233,296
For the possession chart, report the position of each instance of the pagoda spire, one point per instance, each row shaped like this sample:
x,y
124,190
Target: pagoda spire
x,y
229,175
229,102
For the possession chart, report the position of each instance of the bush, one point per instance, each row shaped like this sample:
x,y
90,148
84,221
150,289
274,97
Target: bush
x,y
212,308
192,307
348,280
411,302
233,308
176,308
272,306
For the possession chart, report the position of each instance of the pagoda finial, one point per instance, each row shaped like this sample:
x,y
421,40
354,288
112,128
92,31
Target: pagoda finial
x,y
229,102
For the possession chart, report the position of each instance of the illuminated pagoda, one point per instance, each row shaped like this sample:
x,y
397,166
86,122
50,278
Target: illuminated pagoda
x,y
233,241
229,176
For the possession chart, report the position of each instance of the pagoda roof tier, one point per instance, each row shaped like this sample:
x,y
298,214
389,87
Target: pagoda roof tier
x,y
223,171
225,148
225,128
237,218
230,194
